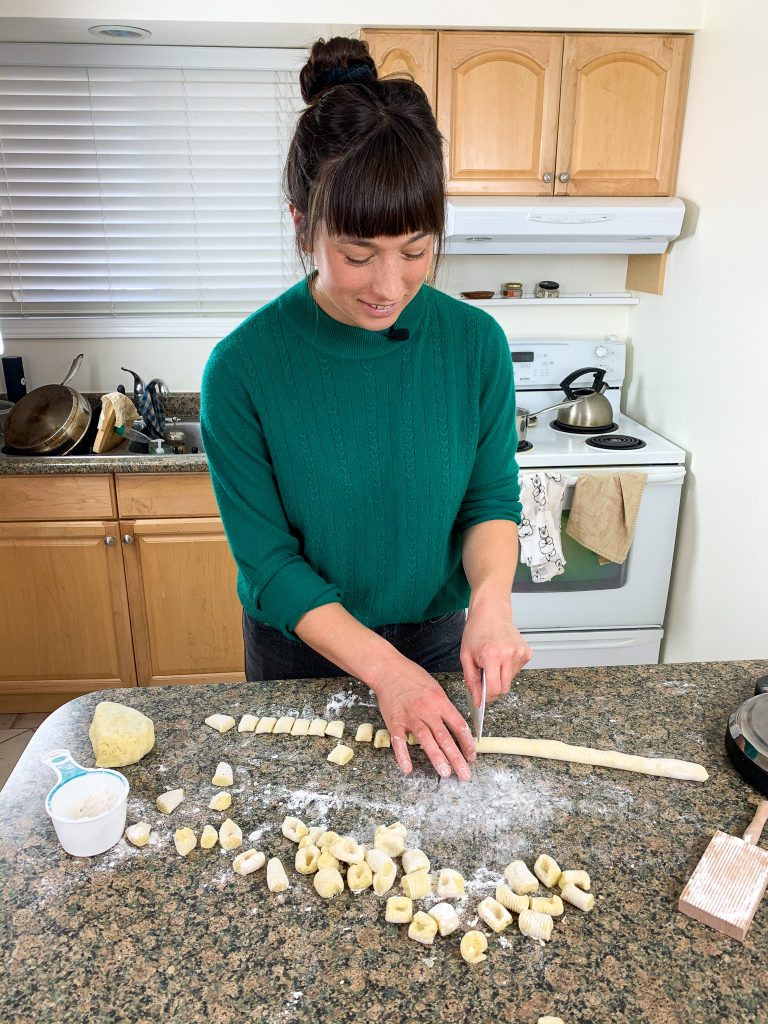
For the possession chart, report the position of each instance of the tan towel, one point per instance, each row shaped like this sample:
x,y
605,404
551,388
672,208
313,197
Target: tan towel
x,y
604,513
123,407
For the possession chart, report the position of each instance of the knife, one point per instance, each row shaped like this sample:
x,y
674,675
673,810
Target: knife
x,y
478,714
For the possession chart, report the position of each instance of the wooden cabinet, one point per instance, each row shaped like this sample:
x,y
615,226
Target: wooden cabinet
x,y
550,113
413,53
146,593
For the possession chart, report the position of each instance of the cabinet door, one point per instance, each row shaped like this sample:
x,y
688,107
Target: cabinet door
x,y
621,114
64,625
497,103
185,612
412,52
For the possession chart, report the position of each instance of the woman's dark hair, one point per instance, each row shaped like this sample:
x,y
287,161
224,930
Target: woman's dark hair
x,y
366,158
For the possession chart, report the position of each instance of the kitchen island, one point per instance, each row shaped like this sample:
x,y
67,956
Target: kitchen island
x,y
140,935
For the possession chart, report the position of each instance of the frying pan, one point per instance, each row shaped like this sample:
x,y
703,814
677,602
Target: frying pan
x,y
51,418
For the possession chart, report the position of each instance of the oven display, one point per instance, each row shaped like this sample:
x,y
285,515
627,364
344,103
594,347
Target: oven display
x,y
522,357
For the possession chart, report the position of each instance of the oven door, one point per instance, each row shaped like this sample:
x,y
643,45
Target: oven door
x,y
593,596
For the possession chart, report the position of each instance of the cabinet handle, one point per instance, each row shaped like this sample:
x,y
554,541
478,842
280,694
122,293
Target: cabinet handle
x,y
109,541
565,177
548,177
127,538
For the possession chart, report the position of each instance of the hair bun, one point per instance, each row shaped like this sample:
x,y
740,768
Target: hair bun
x,y
334,62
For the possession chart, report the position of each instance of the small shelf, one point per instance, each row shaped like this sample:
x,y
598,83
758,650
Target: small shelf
x,y
568,299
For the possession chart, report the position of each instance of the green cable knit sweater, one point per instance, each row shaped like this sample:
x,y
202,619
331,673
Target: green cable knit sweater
x,y
346,466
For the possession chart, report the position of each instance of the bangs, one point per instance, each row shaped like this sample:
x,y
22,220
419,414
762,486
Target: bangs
x,y
383,187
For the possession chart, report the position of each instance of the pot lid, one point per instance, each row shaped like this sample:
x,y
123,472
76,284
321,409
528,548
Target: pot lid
x,y
37,417
746,740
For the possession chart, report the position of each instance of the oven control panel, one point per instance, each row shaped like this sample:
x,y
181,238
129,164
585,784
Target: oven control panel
x,y
543,363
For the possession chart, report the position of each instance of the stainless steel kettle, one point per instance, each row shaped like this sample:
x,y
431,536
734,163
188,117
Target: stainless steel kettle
x,y
585,408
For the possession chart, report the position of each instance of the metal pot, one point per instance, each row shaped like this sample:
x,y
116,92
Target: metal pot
x,y
51,418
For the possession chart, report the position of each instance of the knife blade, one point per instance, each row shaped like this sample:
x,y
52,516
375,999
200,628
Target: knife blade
x,y
478,714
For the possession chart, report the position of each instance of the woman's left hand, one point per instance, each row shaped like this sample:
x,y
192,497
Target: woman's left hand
x,y
492,642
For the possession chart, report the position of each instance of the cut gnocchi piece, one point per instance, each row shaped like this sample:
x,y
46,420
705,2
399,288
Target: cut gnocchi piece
x,y
422,928
266,725
473,946
414,860
221,723
327,860
583,900
382,739
578,878
347,849
277,880
519,878
392,843
511,900
185,841
359,877
248,723
224,775
376,859
341,754
417,884
317,727
220,802
393,827
364,733
230,835
446,917
138,834
399,910
247,862
551,905
208,838
535,925
550,1020
450,884
328,883
547,870
294,829
494,914
283,725
300,727
411,740
327,838
169,801
306,862
335,729
384,878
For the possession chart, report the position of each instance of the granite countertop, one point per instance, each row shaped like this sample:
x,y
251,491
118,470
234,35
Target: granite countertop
x,y
140,935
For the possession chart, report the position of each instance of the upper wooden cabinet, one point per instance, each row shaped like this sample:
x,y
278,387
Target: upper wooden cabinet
x,y
550,113
621,114
414,53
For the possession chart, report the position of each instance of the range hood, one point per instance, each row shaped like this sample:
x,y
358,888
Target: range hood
x,y
505,225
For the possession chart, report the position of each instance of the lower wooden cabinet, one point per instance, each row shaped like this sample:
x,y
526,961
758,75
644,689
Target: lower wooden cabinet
x,y
117,601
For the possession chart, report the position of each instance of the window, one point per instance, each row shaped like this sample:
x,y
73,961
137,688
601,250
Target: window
x,y
144,180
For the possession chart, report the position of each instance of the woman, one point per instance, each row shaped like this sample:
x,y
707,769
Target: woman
x,y
360,429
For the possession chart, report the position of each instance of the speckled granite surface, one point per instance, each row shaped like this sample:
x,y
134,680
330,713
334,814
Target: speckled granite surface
x,y
146,935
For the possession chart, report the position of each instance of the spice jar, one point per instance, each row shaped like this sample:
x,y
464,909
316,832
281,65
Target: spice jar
x,y
547,290
512,290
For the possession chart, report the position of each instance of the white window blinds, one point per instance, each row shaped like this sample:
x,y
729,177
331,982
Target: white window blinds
x,y
143,188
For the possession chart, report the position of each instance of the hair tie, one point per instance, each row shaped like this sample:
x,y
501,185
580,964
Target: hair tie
x,y
358,72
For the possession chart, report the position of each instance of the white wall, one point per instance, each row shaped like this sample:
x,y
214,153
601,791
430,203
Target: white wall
x,y
700,352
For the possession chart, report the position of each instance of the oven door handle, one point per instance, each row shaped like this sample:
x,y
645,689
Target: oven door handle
x,y
568,645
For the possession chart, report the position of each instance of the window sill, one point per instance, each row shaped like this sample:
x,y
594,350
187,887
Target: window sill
x,y
53,328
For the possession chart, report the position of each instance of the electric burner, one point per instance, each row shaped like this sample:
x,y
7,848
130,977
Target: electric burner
x,y
583,430
616,442
524,446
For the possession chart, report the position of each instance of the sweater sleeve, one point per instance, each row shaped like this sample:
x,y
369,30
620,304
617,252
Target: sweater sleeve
x,y
279,583
493,491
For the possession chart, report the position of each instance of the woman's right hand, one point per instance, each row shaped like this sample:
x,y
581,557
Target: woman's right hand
x,y
411,700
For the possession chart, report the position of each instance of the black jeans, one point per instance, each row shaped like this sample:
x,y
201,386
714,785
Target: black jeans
x,y
269,654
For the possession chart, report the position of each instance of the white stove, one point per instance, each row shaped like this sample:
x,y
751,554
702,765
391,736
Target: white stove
x,y
593,614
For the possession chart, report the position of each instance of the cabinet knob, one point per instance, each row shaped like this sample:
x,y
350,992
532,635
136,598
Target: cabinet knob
x,y
548,177
127,538
109,541
565,177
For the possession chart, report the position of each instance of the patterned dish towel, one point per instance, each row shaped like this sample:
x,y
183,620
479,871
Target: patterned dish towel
x,y
541,495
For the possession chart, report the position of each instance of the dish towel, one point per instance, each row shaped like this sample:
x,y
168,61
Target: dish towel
x,y
125,410
541,495
604,513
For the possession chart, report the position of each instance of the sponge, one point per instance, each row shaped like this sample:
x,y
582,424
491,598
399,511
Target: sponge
x,y
120,735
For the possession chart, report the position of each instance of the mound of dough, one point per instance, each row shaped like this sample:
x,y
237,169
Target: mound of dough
x,y
120,735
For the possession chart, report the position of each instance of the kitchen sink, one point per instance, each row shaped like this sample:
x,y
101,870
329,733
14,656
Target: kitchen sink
x,y
191,429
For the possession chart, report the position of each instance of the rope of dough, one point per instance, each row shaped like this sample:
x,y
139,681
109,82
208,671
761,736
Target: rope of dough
x,y
667,767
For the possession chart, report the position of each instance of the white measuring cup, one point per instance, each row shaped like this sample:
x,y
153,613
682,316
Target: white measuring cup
x,y
85,837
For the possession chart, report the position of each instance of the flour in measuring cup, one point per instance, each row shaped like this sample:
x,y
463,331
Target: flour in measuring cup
x,y
92,805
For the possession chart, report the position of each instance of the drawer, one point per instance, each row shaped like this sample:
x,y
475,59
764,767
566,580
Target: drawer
x,y
150,495
48,497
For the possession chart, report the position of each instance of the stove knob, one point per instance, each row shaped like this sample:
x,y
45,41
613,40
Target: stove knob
x,y
601,351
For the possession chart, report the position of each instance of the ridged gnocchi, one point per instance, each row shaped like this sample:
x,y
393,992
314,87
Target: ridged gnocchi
x,y
473,946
